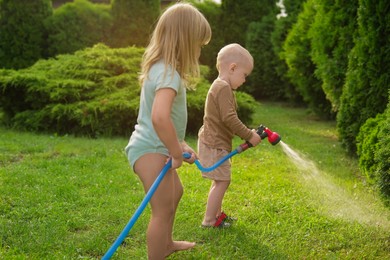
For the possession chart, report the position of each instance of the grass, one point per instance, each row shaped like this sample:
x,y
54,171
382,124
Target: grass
x,y
63,197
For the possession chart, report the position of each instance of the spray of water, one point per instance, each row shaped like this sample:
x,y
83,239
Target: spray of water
x,y
335,200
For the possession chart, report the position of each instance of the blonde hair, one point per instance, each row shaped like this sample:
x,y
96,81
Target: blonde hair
x,y
233,53
177,38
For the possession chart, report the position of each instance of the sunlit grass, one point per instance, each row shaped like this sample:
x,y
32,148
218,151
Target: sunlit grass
x,y
69,198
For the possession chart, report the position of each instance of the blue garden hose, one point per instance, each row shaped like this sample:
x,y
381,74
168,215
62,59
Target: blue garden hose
x,y
216,165
138,212
150,193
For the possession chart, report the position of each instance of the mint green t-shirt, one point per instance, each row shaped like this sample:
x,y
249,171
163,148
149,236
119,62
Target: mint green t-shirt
x,y
144,138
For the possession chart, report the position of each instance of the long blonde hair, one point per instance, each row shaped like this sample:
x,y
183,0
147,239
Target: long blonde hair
x,y
177,38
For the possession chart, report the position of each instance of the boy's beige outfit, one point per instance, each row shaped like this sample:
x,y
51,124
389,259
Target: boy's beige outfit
x,y
220,125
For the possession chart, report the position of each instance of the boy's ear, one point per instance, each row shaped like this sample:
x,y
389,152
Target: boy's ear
x,y
232,66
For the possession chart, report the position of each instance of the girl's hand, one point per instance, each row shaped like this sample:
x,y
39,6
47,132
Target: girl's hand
x,y
177,161
187,149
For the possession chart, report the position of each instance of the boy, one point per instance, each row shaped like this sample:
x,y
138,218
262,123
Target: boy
x,y
220,125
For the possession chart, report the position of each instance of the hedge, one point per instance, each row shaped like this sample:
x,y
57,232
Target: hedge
x,y
92,93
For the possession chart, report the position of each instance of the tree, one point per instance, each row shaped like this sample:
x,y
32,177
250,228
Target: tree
x,y
77,25
133,21
237,15
366,88
22,32
300,66
283,25
331,36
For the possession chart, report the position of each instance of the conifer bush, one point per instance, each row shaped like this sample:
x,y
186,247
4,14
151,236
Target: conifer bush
x,y
373,149
300,65
382,156
93,92
367,145
77,25
22,32
365,93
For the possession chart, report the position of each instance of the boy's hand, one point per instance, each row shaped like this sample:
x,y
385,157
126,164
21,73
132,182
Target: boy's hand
x,y
255,139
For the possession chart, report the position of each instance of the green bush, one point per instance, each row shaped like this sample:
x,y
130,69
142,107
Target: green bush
x,y
212,12
22,33
278,36
330,47
78,25
93,92
382,156
365,93
300,66
373,149
367,145
132,21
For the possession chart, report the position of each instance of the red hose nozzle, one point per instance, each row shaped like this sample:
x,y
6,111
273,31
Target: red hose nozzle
x,y
273,137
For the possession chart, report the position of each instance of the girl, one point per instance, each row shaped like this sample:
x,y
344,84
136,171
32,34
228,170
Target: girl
x,y
170,58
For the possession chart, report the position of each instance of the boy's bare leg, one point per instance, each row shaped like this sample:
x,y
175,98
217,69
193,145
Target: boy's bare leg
x,y
214,202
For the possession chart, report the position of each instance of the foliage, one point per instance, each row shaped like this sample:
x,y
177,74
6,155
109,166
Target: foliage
x,y
213,13
263,81
237,15
282,26
367,80
330,47
382,156
133,21
373,149
367,145
77,25
22,33
93,92
300,66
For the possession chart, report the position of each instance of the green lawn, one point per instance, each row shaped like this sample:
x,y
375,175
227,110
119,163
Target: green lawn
x,y
63,197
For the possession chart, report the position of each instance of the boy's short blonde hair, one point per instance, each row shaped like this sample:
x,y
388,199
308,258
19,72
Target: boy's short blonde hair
x,y
233,53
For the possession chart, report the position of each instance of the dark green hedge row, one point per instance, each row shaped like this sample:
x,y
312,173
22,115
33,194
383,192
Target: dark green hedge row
x,y
373,148
93,92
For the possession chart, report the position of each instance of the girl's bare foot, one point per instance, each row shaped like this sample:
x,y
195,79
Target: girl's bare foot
x,y
179,246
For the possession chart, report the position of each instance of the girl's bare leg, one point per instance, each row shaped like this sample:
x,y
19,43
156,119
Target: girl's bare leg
x,y
174,246
163,204
214,202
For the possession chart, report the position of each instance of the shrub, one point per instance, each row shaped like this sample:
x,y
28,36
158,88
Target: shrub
x,y
93,92
373,149
382,156
367,145
300,66
330,48
22,34
212,12
78,25
365,93
132,21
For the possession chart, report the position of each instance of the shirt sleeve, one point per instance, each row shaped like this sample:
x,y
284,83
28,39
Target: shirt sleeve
x,y
168,79
229,116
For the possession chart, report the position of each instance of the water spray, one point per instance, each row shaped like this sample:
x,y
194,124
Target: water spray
x,y
264,132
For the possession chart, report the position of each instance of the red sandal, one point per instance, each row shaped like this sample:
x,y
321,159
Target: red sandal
x,y
220,223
